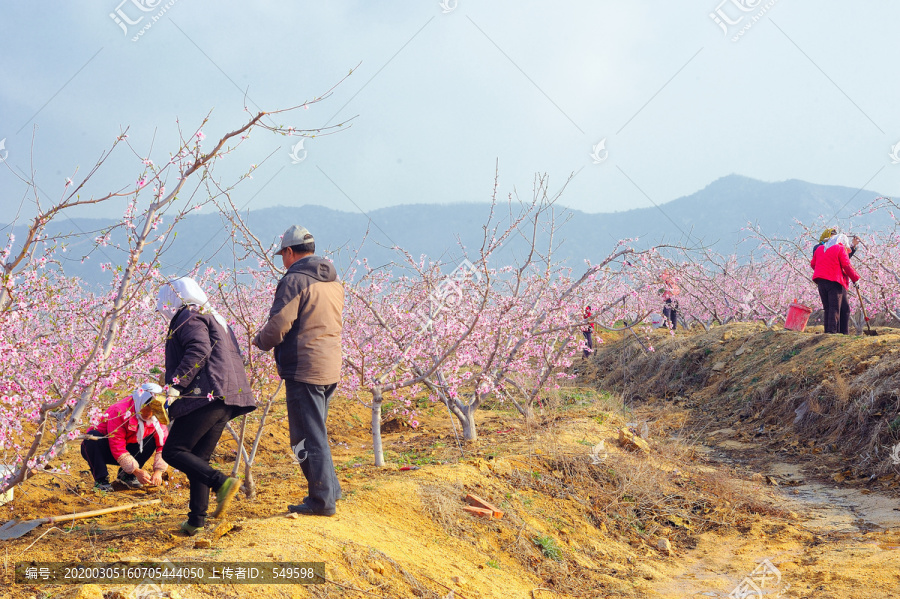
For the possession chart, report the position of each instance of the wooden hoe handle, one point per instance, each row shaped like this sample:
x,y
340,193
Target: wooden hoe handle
x,y
107,510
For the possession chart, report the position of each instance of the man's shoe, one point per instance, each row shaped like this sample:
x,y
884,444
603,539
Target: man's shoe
x,y
189,530
225,494
103,485
129,480
336,499
304,509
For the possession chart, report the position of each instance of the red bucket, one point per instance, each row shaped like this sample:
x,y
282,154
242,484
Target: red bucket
x,y
797,316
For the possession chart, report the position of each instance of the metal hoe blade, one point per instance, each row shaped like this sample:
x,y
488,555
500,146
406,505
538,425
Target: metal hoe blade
x,y
15,529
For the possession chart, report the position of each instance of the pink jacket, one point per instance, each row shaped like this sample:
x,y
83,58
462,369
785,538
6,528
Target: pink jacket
x,y
833,265
120,423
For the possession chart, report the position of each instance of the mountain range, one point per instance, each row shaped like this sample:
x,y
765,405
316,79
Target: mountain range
x,y
715,216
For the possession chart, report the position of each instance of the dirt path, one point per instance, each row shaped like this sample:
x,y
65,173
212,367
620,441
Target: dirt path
x,y
845,543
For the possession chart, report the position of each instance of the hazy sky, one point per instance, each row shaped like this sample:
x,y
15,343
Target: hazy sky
x,y
808,91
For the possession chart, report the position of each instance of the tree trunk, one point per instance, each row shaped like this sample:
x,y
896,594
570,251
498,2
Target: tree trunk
x,y
377,448
467,420
529,414
249,485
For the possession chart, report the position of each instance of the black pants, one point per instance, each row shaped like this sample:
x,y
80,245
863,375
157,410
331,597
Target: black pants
x,y
589,342
670,313
98,454
835,301
191,441
822,285
307,409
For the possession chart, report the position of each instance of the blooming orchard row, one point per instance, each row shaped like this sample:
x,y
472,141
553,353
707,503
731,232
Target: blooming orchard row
x,y
460,332
506,333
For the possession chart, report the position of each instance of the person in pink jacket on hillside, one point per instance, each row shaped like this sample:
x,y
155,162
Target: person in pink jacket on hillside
x,y
128,434
832,272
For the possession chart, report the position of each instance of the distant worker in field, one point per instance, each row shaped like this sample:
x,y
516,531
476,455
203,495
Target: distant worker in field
x,y
668,293
206,378
823,239
588,332
832,273
304,328
130,434
828,234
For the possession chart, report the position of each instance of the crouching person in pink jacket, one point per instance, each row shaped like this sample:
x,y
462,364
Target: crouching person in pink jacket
x,y
131,434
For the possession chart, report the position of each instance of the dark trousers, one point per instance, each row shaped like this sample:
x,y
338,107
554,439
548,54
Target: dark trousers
x,y
98,455
191,441
307,409
670,313
589,342
835,301
822,285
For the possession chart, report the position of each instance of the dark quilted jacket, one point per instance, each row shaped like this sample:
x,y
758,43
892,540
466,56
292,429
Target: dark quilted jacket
x,y
205,361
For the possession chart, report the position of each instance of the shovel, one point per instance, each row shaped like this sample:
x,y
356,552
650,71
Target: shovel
x,y
15,529
868,330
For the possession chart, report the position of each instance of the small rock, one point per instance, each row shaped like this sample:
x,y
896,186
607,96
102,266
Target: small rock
x,y
292,516
771,481
89,591
632,441
251,544
202,544
377,566
223,528
757,477
174,595
458,580
665,547
718,366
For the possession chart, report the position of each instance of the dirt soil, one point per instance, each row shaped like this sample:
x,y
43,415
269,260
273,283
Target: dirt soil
x,y
583,516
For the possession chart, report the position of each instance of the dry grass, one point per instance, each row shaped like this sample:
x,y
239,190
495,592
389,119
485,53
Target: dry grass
x,y
825,389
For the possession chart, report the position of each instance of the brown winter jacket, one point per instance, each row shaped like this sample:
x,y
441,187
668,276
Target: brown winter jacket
x,y
304,324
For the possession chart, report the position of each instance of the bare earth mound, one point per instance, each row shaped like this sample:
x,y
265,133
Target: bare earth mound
x,y
583,515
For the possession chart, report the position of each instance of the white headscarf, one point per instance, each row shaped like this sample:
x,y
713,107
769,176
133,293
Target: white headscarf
x,y
836,239
185,291
142,395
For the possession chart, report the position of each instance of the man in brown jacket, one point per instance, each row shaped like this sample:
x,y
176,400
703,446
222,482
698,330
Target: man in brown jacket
x,y
304,328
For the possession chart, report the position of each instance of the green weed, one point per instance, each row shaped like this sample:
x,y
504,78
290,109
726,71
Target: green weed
x,y
548,547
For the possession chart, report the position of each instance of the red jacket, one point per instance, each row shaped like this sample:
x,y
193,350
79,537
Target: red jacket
x,y
120,423
590,324
833,265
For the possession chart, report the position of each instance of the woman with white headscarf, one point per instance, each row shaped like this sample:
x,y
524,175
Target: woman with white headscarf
x,y
832,272
128,434
205,371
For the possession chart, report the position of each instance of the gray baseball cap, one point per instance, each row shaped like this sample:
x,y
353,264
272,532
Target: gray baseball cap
x,y
295,235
